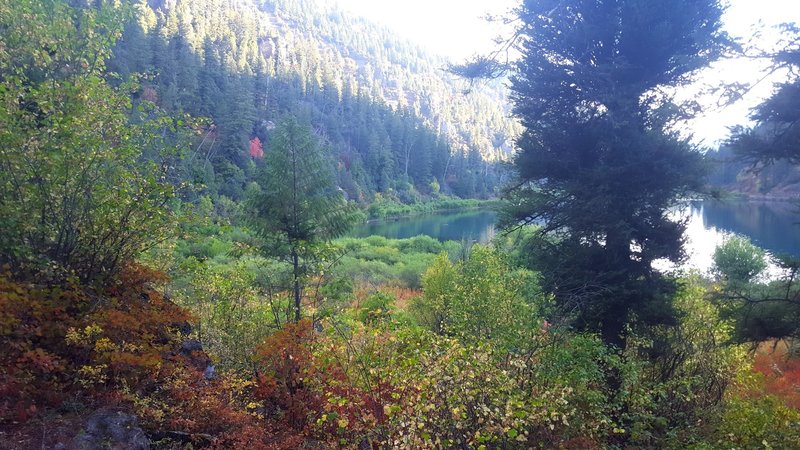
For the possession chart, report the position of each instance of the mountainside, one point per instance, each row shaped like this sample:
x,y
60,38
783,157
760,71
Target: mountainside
x,y
779,181
378,64
394,120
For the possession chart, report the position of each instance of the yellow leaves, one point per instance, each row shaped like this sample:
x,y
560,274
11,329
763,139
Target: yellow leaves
x,y
89,376
73,337
82,337
343,422
238,385
104,345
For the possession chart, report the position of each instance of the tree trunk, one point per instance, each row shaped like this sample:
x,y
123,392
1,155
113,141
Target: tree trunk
x,y
615,309
408,157
296,275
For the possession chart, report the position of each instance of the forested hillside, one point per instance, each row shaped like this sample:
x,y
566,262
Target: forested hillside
x,y
393,118
762,161
779,180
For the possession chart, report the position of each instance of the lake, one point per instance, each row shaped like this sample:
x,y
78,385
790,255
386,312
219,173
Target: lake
x,y
475,225
770,225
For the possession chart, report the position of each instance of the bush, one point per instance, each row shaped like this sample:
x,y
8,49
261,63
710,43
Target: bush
x,y
60,341
479,299
420,244
231,314
752,420
376,308
414,389
87,186
737,260
410,273
379,260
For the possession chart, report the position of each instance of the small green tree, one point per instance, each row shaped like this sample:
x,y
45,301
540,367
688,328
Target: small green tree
x,y
297,208
738,260
761,309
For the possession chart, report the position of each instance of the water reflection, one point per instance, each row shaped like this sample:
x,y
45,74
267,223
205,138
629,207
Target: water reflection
x,y
770,225
470,225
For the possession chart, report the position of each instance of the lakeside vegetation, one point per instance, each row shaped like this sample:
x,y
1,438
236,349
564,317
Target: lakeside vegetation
x,y
386,207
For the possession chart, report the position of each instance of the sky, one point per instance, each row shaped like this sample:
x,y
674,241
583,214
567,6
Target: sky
x,y
456,29
450,28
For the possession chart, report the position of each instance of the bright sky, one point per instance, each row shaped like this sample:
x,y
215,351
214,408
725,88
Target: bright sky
x,y
452,28
456,29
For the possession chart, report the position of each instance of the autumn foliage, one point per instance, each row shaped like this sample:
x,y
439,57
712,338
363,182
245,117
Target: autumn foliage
x,y
338,383
256,149
118,346
285,369
781,372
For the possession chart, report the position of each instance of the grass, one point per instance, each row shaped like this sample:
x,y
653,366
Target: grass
x,y
376,260
383,208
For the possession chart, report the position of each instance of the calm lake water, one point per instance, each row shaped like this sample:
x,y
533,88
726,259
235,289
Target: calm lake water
x,y
773,226
770,225
455,226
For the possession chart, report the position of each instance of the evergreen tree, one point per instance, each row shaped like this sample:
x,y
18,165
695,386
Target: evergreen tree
x,y
777,134
298,206
596,164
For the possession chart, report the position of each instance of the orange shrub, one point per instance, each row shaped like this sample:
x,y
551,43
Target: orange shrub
x,y
284,367
781,372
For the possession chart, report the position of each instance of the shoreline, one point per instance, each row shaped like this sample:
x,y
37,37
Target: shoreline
x,y
422,213
742,197
412,210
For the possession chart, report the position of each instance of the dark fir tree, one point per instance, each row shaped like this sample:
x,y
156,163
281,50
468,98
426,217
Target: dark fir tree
x,y
298,205
596,164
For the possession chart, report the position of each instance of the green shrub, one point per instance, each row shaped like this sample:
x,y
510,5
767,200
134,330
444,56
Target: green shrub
x,y
388,255
82,185
420,244
376,308
412,268
376,272
479,299
738,260
376,241
379,260
760,422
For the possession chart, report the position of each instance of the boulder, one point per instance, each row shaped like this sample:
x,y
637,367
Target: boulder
x,y
111,429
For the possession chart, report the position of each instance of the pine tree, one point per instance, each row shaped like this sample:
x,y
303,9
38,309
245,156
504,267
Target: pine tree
x,y
298,206
596,164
